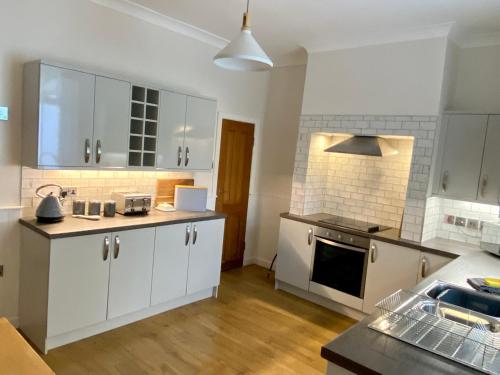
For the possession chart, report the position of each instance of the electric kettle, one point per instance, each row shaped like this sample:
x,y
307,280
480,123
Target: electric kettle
x,y
50,208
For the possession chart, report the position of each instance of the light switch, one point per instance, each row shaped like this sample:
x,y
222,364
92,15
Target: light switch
x,y
4,113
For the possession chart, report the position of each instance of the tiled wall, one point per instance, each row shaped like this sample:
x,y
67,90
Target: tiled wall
x,y
435,225
91,184
369,188
308,185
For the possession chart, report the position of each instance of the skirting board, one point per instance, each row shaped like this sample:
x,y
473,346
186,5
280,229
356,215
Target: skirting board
x,y
314,298
66,338
260,262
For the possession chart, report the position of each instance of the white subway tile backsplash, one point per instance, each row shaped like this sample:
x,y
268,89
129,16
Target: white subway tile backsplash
x,y
90,184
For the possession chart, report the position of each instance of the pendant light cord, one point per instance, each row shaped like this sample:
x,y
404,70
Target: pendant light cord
x,y
248,5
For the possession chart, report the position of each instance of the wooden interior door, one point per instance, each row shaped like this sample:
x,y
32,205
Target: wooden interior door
x,y
233,185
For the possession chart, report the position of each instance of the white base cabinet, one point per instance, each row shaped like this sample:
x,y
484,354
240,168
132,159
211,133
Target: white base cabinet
x,y
430,263
75,287
390,268
295,251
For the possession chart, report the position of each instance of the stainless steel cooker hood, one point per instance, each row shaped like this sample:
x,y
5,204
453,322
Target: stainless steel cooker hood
x,y
364,145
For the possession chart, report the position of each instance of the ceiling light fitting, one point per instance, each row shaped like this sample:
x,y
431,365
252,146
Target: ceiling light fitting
x,y
243,53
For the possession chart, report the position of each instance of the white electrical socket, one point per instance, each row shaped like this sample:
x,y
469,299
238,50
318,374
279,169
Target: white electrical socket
x,y
70,191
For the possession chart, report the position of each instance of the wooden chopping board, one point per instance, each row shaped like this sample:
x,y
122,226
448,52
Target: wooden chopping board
x,y
165,189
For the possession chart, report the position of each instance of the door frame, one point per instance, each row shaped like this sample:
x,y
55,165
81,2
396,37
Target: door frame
x,y
215,175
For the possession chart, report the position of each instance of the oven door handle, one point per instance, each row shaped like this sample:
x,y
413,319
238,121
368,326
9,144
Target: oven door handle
x,y
333,243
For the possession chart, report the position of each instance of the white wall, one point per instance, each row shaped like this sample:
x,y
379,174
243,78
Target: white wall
x,y
271,192
477,81
82,33
398,78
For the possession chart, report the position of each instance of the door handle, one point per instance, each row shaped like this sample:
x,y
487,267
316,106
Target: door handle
x,y
484,183
195,234
186,159
444,181
310,236
179,156
117,247
188,235
98,151
423,267
87,150
374,254
105,252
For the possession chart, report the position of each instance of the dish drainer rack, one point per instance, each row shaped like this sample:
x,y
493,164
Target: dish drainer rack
x,y
411,318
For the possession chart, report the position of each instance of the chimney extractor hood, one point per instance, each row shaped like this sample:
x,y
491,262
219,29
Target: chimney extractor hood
x,y
364,145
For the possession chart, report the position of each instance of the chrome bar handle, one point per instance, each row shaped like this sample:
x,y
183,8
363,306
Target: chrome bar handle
x,y
374,254
423,267
87,150
105,252
484,183
444,181
98,151
179,156
195,234
186,159
310,236
117,247
188,235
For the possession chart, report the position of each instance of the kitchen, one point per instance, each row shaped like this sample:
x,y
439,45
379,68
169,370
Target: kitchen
x,y
439,200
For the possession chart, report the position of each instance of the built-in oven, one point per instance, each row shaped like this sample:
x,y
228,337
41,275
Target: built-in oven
x,y
340,262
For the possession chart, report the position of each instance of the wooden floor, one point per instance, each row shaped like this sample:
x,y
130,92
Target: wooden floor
x,y
249,329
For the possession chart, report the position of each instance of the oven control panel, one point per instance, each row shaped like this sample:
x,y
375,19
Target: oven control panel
x,y
343,237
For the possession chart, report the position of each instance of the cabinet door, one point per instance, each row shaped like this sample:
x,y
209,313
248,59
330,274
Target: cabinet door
x,y
170,262
295,250
390,268
170,152
66,117
78,282
430,263
111,122
489,185
205,255
200,129
461,156
130,271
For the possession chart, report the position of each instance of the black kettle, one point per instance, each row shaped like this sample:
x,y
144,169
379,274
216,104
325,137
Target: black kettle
x,y
50,209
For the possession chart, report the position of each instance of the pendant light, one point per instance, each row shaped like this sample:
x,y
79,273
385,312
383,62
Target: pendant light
x,y
243,53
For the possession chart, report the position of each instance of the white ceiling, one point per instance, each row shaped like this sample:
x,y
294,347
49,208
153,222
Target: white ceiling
x,y
284,27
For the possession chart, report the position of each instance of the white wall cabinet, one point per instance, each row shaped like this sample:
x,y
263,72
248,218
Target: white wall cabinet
x,y
199,133
295,251
390,268
74,118
131,271
467,158
461,152
186,132
170,154
489,184
58,117
111,118
78,282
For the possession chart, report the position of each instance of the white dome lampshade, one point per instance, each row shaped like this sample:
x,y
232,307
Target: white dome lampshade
x,y
243,53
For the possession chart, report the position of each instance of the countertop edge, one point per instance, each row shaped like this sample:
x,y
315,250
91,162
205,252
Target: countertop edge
x,y
346,363
375,236
117,228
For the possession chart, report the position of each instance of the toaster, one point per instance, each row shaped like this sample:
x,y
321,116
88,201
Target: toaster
x,y
132,203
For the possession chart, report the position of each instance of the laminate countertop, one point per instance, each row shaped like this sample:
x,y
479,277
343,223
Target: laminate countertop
x,y
439,246
71,227
364,351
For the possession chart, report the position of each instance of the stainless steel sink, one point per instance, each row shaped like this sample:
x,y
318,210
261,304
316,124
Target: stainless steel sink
x,y
463,305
